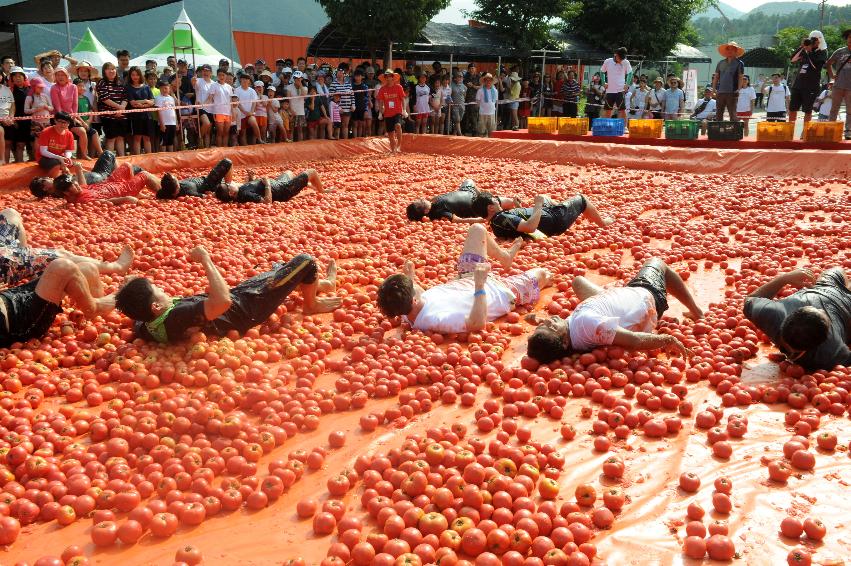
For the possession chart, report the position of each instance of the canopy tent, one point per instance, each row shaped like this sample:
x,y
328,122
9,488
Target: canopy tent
x,y
186,42
90,49
763,58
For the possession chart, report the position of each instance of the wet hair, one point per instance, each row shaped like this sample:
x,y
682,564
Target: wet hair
x,y
546,346
396,295
38,187
63,182
621,52
135,298
416,211
804,329
169,184
481,203
223,194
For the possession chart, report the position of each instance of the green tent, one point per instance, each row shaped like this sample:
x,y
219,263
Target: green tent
x,y
91,50
184,41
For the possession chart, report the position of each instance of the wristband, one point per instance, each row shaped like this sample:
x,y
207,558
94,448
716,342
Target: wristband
x,y
479,292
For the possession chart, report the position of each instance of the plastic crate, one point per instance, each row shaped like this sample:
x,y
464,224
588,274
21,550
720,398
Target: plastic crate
x,y
725,131
542,125
824,132
607,127
775,131
647,129
573,126
681,129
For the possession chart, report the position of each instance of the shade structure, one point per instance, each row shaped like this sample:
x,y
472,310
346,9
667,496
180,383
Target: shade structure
x,y
90,49
186,42
53,11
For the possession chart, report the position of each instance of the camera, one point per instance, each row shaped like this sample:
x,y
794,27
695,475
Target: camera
x,y
808,42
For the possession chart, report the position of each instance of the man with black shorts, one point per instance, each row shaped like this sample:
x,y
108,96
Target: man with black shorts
x,y
42,187
391,100
161,318
20,263
807,83
171,187
281,189
457,206
619,316
617,68
811,326
546,218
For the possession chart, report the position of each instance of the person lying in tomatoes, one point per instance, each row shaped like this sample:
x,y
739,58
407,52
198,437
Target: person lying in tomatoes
x,y
121,187
619,316
161,318
42,187
280,189
456,206
546,219
171,187
467,303
810,326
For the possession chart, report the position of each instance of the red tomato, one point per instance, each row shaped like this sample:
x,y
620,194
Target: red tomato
x,y
104,533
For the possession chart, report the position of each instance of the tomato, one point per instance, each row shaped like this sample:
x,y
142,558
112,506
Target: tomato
x,y
791,527
324,523
105,533
363,554
720,547
689,482
803,460
130,531
613,467
799,556
814,528
694,547
164,525
585,494
306,508
188,554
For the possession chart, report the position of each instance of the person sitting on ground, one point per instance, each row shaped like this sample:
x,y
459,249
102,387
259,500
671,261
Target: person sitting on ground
x,y
20,263
811,326
546,218
467,303
619,316
29,310
42,187
171,187
56,143
161,318
456,206
123,186
280,189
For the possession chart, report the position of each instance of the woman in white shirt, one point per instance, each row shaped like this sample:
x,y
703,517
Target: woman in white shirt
x,y
744,107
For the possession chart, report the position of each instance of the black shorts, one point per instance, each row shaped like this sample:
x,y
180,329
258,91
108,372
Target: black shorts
x,y
775,116
141,125
89,131
802,100
23,131
359,115
284,188
651,276
28,315
9,133
564,215
255,300
393,121
48,163
614,100
167,137
113,128
207,114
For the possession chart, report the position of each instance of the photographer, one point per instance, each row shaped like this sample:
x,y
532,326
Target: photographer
x,y
811,59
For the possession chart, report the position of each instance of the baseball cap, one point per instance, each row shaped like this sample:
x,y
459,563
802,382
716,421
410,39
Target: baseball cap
x,y
388,71
287,71
206,67
279,61
17,70
260,62
182,62
259,83
298,75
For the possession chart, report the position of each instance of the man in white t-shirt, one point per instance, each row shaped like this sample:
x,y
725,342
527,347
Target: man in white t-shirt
x,y
777,100
487,97
620,316
247,97
296,92
202,93
466,303
617,68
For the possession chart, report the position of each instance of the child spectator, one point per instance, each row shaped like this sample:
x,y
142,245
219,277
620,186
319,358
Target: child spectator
x,y
83,105
236,121
274,122
335,116
288,116
140,96
445,100
422,108
167,116
525,109
297,91
745,103
823,103
220,96
361,96
261,112
247,97
38,105
777,100
314,110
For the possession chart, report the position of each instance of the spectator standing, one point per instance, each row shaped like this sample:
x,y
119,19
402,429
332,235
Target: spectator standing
x,y
38,106
261,109
23,128
6,64
297,91
673,100
525,109
637,100
570,95
547,93
167,116
372,83
777,101
45,73
594,97
7,125
445,100
839,71
617,68
472,82
704,110
341,85
823,103
421,106
745,103
123,69
325,99
390,101
64,98
655,99
112,96
247,96
727,80
513,96
139,96
220,96
274,122
203,84
761,85
458,109
558,95
487,97
810,59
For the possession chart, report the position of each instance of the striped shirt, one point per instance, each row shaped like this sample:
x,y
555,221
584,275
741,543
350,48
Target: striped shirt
x,y
113,91
570,91
347,98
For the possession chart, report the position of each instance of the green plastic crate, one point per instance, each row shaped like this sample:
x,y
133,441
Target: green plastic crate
x,y
681,129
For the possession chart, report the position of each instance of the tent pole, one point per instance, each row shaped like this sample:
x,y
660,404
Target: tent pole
x,y
230,24
543,73
67,26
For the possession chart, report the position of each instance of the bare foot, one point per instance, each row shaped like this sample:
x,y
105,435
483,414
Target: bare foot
x,y
512,253
125,260
608,220
329,284
324,304
693,315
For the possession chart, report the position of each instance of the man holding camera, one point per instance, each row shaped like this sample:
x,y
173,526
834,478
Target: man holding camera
x,y
839,71
805,89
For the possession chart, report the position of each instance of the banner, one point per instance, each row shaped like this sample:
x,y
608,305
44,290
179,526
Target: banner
x,y
690,88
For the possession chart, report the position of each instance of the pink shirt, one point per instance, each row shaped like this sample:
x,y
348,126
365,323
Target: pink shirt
x,y
64,98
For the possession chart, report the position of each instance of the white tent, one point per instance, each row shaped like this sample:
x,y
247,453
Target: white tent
x,y
186,42
90,49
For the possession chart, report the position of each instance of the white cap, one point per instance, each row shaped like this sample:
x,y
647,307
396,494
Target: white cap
x,y
259,83
287,70
298,75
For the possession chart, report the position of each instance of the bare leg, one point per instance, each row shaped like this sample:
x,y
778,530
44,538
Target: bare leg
x,y
62,277
13,218
118,267
481,243
592,214
544,277
95,149
584,289
329,284
151,182
677,287
314,181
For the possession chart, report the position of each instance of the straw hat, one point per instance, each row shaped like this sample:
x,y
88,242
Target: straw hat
x,y
514,76
722,49
93,72
17,70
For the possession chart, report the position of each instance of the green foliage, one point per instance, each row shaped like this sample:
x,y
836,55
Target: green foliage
x,y
378,23
645,28
716,30
526,23
789,40
689,35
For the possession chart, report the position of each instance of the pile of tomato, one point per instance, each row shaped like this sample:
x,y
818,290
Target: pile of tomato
x,y
108,444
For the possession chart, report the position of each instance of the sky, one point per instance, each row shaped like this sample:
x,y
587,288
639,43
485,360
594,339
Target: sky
x,y
453,15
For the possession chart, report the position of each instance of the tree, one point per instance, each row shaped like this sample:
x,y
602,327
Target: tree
x,y
788,41
380,24
525,23
645,28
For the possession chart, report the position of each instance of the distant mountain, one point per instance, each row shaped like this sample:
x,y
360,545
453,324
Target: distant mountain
x,y
782,8
729,11
139,32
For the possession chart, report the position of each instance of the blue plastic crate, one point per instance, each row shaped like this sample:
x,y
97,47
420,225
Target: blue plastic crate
x,y
607,127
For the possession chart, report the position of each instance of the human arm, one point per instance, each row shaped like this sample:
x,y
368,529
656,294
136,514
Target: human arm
x,y
769,290
408,271
123,200
507,203
66,159
478,317
267,190
828,65
458,220
40,56
531,224
644,341
218,299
